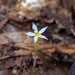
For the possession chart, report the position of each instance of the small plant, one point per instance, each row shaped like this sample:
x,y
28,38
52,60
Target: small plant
x,y
36,34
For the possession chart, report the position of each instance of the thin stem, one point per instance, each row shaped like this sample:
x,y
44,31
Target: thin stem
x,y
36,47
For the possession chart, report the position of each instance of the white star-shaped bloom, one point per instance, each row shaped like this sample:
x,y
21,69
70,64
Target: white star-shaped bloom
x,y
37,34
30,4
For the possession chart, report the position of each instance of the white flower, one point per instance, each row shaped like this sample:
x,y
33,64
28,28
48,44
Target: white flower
x,y
37,34
32,3
23,4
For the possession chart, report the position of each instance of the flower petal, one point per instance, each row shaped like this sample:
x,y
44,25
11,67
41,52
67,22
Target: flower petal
x,y
30,33
43,37
23,4
42,30
35,39
34,27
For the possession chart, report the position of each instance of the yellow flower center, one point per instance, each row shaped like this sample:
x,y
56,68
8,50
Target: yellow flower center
x,y
37,34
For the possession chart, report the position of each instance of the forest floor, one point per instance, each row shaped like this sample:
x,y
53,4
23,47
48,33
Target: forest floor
x,y
55,56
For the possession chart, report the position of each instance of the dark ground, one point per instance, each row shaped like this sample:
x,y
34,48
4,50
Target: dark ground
x,y
55,56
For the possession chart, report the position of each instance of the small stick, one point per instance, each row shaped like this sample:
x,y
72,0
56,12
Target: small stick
x,y
16,54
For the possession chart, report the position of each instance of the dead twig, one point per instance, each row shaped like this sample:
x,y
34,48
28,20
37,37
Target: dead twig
x,y
16,54
3,22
